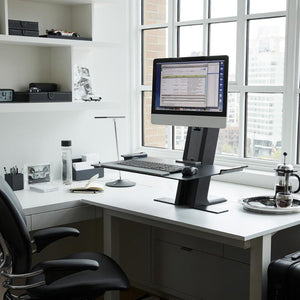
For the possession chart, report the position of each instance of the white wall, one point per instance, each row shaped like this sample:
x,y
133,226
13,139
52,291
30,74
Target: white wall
x,y
34,137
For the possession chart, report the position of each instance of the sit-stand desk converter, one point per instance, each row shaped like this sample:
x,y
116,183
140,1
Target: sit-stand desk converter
x,y
193,191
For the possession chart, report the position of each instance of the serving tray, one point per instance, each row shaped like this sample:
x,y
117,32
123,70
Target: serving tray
x,y
266,204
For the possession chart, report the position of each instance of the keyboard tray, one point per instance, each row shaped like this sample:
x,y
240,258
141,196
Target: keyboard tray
x,y
204,171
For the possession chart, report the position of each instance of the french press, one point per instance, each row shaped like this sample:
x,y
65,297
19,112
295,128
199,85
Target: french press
x,y
283,173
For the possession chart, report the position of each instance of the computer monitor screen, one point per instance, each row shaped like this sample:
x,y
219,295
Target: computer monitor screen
x,y
190,91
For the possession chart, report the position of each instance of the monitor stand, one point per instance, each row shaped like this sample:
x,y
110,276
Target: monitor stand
x,y
200,145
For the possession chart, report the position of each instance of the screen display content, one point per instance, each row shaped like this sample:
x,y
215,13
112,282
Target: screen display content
x,y
190,86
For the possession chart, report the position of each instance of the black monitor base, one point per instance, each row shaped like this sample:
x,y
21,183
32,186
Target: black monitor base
x,y
216,205
200,146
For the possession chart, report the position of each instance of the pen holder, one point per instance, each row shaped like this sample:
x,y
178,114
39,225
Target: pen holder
x,y
15,181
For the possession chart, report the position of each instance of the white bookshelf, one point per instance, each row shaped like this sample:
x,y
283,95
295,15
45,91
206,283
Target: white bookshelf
x,y
36,59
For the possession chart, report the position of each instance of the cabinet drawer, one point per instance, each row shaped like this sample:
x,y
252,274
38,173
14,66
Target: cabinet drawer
x,y
198,274
62,216
188,241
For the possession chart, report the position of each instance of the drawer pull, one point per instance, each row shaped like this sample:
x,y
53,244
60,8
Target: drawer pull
x,y
186,249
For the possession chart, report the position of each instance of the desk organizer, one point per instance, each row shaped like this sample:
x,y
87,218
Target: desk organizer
x,y
87,174
16,181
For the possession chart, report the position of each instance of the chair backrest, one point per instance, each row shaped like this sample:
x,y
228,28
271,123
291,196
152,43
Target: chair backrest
x,y
14,230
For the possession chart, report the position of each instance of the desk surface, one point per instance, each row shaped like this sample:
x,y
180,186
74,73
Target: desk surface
x,y
235,224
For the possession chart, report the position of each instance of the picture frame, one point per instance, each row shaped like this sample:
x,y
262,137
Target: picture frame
x,y
37,173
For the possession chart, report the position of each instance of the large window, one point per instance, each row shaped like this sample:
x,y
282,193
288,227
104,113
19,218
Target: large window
x,y
261,42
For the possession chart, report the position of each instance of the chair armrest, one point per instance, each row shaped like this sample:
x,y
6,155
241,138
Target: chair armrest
x,y
45,237
56,269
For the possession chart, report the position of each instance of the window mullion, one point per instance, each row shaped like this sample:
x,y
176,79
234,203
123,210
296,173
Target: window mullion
x,y
171,28
242,126
205,27
241,44
290,107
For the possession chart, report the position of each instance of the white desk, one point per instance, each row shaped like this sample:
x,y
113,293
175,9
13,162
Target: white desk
x,y
236,227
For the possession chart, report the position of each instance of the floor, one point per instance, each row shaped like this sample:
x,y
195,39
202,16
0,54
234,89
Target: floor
x,y
132,294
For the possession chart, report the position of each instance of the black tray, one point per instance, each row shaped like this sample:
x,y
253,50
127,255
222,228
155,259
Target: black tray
x,y
42,97
52,36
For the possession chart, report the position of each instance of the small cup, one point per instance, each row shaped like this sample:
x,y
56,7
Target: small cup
x,y
284,200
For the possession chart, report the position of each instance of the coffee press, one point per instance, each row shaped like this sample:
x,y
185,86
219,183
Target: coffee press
x,y
283,187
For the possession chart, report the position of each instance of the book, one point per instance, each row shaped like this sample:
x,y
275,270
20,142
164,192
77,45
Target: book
x,y
91,187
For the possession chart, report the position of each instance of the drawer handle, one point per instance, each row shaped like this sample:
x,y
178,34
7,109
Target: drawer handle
x,y
186,249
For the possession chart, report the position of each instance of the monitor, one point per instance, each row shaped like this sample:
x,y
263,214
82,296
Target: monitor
x,y
190,91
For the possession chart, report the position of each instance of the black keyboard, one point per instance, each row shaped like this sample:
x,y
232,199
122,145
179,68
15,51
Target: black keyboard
x,y
139,163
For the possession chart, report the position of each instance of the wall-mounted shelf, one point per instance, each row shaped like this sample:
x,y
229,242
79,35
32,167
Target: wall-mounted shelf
x,y
48,42
38,59
52,107
74,2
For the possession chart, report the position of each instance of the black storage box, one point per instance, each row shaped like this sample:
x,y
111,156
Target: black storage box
x,y
44,87
43,97
25,28
87,174
23,32
16,181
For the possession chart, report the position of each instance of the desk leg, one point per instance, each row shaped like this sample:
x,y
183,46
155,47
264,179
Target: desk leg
x,y
111,246
259,262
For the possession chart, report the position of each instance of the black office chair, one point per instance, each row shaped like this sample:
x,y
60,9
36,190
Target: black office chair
x,y
80,276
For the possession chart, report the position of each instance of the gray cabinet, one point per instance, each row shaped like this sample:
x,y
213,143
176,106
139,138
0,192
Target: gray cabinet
x,y
183,266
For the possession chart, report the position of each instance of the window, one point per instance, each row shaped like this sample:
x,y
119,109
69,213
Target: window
x,y
262,71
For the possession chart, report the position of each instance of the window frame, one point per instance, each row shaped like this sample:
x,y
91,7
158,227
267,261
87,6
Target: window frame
x,y
290,88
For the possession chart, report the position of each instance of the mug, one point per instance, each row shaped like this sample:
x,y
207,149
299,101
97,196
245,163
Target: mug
x,y
283,200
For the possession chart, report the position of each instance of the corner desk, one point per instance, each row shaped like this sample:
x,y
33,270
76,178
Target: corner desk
x,y
236,227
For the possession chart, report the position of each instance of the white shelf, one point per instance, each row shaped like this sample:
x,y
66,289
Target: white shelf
x,y
50,42
51,107
74,2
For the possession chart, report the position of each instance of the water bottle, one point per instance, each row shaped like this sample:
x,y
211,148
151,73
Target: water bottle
x,y
66,161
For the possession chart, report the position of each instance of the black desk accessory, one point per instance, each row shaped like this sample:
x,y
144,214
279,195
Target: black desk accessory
x,y
119,182
14,179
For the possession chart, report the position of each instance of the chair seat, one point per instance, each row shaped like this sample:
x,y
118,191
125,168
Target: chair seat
x,y
84,284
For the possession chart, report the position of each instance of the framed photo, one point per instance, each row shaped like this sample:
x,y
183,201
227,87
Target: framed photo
x,y
38,173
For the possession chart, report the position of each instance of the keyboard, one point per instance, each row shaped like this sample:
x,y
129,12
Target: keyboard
x,y
152,165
